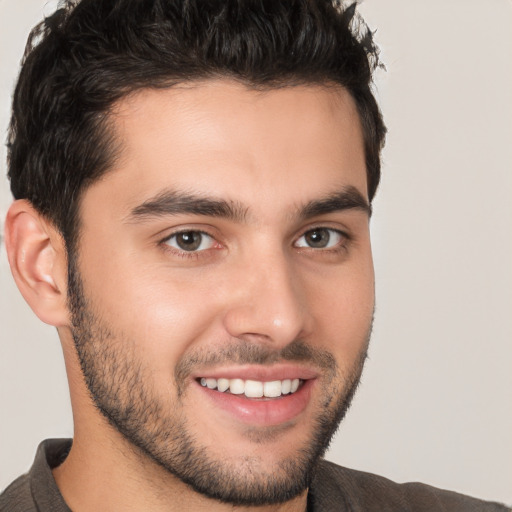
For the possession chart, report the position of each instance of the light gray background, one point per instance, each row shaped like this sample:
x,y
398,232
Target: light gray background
x,y
435,404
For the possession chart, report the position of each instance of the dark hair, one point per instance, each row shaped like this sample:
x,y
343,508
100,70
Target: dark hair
x,y
91,53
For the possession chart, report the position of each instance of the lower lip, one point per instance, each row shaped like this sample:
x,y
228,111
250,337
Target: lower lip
x,y
262,412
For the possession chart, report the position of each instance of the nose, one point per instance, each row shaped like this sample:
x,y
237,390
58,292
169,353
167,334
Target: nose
x,y
267,302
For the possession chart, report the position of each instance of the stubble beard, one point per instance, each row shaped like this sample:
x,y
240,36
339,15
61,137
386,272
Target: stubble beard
x,y
120,387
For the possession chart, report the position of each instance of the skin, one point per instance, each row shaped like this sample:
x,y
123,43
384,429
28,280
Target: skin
x,y
254,282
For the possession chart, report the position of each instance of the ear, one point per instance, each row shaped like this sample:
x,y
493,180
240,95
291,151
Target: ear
x,y
38,260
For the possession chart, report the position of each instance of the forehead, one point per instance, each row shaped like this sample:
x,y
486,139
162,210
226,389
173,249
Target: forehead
x,y
250,146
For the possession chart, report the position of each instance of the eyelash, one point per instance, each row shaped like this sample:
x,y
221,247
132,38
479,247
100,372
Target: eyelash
x,y
344,238
182,253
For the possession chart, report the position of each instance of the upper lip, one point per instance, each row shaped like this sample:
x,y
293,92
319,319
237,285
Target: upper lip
x,y
259,372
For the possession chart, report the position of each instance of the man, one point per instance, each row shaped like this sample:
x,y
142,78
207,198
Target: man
x,y
194,185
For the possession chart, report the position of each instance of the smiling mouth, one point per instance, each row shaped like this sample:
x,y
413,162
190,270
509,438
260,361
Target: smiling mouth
x,y
253,388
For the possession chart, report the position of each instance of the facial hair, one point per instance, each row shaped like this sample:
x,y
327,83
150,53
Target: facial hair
x,y
120,385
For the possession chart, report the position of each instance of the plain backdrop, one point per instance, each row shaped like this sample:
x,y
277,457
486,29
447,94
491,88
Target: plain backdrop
x,y
435,404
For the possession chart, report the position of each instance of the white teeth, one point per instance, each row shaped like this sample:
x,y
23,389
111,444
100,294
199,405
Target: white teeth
x,y
237,386
211,383
223,385
272,389
253,388
286,386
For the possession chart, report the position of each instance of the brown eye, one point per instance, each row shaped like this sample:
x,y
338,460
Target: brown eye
x,y
190,241
320,238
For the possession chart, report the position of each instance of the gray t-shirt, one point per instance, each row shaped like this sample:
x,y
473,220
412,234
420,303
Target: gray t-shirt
x,y
333,489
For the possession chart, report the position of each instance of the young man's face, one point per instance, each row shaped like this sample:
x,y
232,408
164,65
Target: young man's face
x,y
229,246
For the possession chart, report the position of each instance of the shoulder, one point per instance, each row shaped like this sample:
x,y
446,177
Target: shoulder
x,y
17,497
37,490
335,487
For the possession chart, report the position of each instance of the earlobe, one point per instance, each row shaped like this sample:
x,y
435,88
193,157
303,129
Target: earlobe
x,y
37,257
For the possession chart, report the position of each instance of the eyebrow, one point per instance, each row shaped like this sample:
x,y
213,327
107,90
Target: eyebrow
x,y
348,198
171,202
176,203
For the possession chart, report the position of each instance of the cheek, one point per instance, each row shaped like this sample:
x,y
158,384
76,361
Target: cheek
x,y
160,312
343,309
